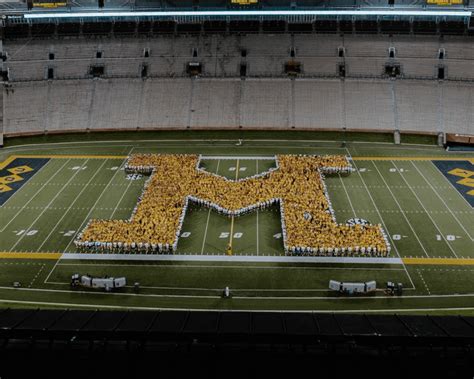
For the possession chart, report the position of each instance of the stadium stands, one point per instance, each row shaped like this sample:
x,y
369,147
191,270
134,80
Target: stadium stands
x,y
220,55
359,104
54,78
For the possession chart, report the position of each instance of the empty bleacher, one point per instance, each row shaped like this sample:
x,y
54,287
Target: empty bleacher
x,y
163,96
122,103
221,56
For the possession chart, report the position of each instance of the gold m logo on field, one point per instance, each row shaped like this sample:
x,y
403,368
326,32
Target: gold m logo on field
x,y
296,185
468,178
14,177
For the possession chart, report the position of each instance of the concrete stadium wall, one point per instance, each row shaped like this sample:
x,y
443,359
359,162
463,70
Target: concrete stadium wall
x,y
302,104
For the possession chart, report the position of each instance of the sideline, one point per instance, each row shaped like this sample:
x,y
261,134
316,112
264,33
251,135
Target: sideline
x,y
235,258
227,258
360,158
98,306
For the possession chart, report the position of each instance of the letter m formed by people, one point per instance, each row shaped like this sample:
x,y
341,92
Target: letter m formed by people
x,y
296,185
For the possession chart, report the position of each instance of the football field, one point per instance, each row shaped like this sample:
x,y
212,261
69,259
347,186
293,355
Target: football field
x,y
421,196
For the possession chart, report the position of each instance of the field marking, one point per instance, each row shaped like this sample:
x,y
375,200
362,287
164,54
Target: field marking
x,y
186,266
120,142
86,218
257,227
232,289
97,306
446,205
401,209
220,289
70,205
41,188
414,159
36,276
94,205
423,206
208,216
49,204
384,225
347,195
19,189
121,198
66,156
259,298
205,231
228,258
231,237
452,185
88,214
7,161
126,189
439,261
19,255
136,257
423,280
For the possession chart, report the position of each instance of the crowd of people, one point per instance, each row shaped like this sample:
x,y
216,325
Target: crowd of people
x,y
308,222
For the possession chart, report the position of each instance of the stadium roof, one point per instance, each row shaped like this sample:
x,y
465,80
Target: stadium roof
x,y
250,13
198,10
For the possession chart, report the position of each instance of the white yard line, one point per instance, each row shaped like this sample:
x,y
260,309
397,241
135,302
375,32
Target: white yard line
x,y
348,198
49,204
442,200
424,283
258,242
401,209
86,219
36,276
208,216
121,198
426,211
70,206
383,223
205,231
94,206
126,189
40,188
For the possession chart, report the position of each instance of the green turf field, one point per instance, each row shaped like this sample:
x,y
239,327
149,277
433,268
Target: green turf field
x,y
424,215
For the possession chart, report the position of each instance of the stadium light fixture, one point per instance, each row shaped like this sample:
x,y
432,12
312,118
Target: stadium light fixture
x,y
230,13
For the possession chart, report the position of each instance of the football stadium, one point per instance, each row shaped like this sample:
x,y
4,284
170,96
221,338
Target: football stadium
x,y
208,161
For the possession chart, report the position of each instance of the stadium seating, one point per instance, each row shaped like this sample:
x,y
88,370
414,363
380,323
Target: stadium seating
x,y
365,56
364,104
267,98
